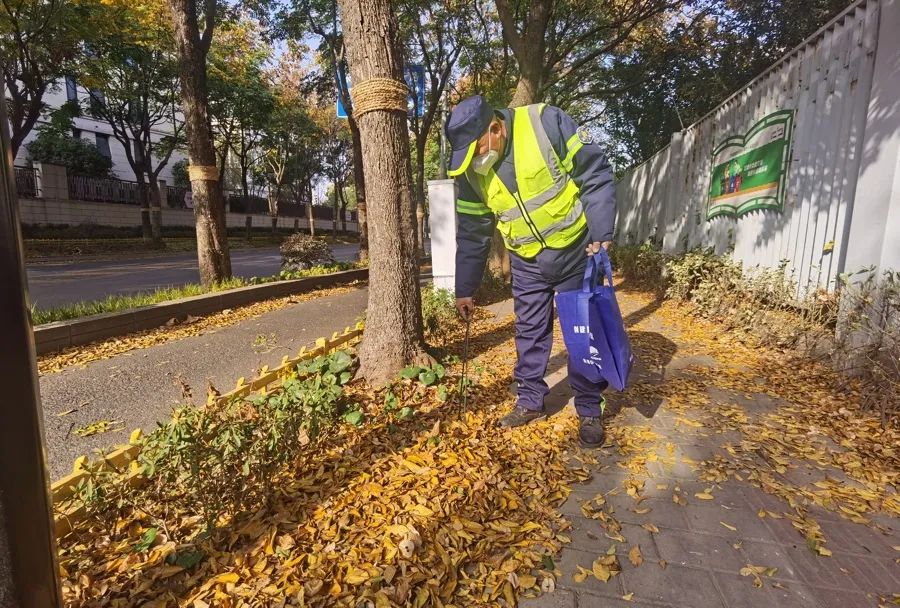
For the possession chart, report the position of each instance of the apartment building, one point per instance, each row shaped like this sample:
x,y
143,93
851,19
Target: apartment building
x,y
95,131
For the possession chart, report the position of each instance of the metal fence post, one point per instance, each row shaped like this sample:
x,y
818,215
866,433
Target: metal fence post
x,y
30,567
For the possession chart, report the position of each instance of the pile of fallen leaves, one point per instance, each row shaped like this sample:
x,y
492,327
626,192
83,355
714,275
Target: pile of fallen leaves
x,y
426,503
438,508
192,326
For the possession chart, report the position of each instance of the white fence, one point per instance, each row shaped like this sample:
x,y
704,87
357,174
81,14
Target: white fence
x,y
841,198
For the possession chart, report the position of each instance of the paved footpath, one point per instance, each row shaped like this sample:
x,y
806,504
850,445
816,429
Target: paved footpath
x,y
140,387
692,553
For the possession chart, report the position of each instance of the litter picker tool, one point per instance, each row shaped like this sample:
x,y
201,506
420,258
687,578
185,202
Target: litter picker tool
x,y
464,380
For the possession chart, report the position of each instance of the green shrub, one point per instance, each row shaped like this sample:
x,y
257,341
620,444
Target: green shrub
x,y
438,311
645,265
218,461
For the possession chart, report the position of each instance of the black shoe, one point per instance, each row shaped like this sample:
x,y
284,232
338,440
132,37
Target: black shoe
x,y
590,432
520,416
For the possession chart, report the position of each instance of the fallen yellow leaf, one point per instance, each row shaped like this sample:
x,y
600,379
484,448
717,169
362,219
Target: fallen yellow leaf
x,y
635,557
227,577
581,575
601,571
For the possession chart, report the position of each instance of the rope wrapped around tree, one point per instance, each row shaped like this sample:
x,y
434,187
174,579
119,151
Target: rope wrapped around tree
x,y
379,94
206,172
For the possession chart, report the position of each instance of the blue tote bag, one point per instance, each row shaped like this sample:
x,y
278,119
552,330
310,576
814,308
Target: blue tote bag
x,y
593,329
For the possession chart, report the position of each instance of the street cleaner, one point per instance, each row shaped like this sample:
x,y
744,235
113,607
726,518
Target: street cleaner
x,y
543,182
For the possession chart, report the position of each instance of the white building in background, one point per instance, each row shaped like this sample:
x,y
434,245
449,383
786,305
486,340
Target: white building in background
x,y
96,131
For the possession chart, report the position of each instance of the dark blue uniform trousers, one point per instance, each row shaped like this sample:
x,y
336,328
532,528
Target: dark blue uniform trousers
x,y
533,301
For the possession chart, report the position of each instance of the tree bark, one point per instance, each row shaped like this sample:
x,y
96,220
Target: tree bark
x,y
143,193
421,141
343,213
209,204
360,181
334,210
310,219
393,335
527,89
155,199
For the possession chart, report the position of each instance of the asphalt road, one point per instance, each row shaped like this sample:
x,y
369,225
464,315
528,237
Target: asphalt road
x,y
55,284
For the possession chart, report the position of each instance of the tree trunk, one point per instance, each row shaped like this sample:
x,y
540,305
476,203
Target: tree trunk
x,y
143,193
310,219
23,117
421,141
334,211
359,179
343,212
526,89
155,199
393,335
209,205
245,190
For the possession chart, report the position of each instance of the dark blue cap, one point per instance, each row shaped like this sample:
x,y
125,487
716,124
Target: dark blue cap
x,y
468,121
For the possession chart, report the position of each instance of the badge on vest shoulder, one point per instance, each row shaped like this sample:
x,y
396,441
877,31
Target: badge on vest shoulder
x,y
584,136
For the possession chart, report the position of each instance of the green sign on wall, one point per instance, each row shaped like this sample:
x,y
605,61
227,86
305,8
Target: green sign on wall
x,y
750,171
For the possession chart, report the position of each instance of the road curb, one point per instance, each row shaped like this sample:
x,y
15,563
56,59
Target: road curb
x,y
52,337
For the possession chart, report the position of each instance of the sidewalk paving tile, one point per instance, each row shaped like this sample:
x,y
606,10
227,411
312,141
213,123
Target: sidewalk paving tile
x,y
700,551
561,598
675,585
568,564
739,591
714,519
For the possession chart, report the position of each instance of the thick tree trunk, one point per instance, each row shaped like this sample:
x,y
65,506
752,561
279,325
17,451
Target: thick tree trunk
x,y
526,89
393,335
209,204
360,181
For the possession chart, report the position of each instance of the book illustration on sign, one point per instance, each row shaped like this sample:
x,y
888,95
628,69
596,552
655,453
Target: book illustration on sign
x,y
749,171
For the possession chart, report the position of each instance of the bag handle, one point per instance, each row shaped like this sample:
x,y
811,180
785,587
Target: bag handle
x,y
593,267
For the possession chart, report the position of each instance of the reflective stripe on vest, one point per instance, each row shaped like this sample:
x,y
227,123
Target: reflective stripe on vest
x,y
546,211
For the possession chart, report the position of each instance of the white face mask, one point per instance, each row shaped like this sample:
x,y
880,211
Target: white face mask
x,y
483,163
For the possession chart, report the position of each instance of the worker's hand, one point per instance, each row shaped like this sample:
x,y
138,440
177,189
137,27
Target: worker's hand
x,y
595,247
465,306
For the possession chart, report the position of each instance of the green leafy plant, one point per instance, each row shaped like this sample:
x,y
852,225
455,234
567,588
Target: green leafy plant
x,y
355,417
438,312
147,540
221,460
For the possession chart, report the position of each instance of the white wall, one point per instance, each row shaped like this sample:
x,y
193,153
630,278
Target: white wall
x,y
843,163
38,212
